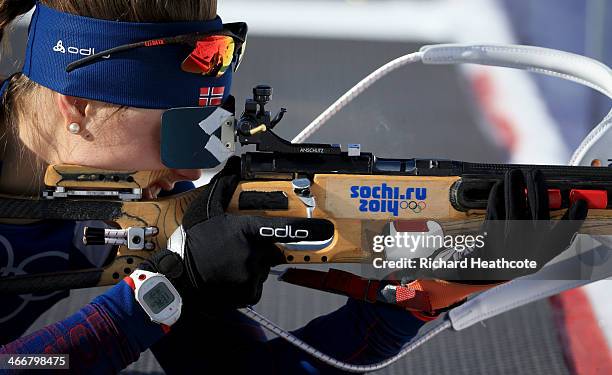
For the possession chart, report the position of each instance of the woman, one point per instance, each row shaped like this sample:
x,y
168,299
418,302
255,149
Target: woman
x,y
105,113
50,117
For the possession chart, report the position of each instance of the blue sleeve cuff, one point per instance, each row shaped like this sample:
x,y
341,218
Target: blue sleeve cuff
x,y
130,318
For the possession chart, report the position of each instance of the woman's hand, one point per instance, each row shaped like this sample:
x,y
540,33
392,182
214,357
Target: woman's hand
x,y
517,227
223,258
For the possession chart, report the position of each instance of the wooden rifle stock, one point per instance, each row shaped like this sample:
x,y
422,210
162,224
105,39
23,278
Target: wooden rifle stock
x,y
360,203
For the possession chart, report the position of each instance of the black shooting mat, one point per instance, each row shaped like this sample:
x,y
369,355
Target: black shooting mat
x,y
417,111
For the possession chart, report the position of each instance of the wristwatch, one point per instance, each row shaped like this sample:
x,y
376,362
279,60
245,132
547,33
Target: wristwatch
x,y
157,296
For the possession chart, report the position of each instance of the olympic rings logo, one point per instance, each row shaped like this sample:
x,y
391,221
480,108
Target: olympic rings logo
x,y
19,269
416,206
391,206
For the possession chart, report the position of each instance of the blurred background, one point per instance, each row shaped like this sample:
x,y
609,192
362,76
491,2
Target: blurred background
x,y
311,52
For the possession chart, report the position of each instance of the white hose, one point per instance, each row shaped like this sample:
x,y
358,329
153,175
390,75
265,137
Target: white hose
x,y
564,65
354,92
539,60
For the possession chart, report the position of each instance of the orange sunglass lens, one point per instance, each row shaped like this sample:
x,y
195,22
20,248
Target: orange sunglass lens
x,y
211,56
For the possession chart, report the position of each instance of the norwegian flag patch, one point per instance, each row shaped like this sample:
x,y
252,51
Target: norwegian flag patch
x,y
211,96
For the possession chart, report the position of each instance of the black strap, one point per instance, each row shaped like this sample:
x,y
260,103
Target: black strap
x,y
49,282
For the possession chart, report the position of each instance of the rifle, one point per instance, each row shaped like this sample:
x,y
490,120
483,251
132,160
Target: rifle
x,y
357,191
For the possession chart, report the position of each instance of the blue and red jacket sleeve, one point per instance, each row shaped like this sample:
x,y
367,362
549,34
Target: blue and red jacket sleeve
x,y
230,343
358,333
103,337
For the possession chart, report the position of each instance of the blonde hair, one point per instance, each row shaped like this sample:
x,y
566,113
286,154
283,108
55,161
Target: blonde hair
x,y
25,100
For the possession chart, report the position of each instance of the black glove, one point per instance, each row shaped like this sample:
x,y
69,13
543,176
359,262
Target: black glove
x,y
225,259
518,226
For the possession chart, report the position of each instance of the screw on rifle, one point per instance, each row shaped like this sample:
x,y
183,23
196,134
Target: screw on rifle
x,y
259,129
301,187
228,145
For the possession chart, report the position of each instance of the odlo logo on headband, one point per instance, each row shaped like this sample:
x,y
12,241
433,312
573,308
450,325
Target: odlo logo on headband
x,y
59,47
384,198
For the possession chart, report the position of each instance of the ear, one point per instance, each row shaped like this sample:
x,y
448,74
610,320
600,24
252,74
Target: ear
x,y
72,109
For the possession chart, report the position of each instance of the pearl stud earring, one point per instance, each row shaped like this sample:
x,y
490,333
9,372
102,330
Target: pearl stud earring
x,y
74,128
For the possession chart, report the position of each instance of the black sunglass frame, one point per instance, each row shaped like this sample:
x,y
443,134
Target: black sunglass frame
x,y
236,30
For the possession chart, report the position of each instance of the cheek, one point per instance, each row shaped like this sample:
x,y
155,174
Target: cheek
x,y
144,135
136,140
143,153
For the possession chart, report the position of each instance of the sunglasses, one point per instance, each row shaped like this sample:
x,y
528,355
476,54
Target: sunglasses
x,y
213,52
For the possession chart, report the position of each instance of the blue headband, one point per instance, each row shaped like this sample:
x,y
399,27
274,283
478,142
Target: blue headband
x,y
143,78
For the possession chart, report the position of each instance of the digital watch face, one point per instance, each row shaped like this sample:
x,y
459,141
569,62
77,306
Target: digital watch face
x,y
158,298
